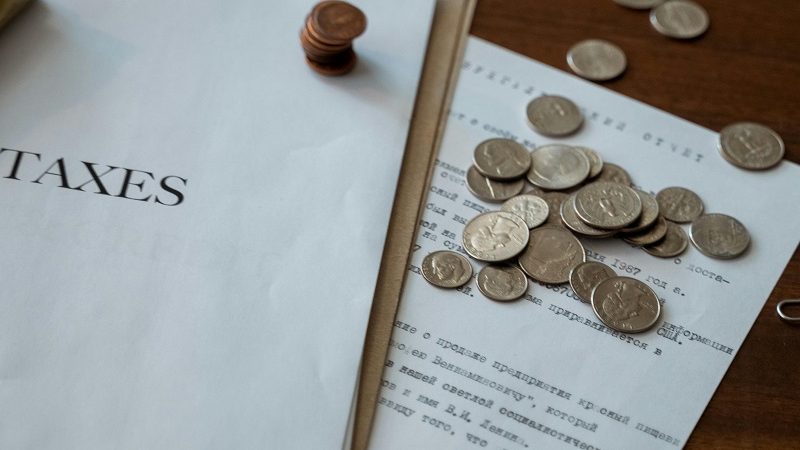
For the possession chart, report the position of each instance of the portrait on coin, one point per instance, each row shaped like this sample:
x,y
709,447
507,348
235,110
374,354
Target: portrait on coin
x,y
494,235
447,266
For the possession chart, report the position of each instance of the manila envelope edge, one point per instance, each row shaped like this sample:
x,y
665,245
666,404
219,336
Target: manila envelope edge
x,y
448,36
9,9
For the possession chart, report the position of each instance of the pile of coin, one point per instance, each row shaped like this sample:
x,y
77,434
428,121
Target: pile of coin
x,y
678,19
327,37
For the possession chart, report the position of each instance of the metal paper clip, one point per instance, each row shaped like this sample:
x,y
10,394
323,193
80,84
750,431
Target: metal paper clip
x,y
783,315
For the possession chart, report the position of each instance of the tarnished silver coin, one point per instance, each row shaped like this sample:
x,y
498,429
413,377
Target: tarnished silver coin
x,y
607,205
719,236
554,201
751,146
679,204
491,190
648,236
596,59
615,173
626,304
673,244
502,159
552,115
595,161
586,276
531,208
680,19
574,223
649,213
639,4
495,236
502,283
551,254
446,269
557,167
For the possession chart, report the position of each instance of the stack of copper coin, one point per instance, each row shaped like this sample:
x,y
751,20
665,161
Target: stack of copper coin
x,y
327,38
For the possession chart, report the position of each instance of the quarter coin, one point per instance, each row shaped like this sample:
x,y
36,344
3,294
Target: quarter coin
x,y
531,208
446,269
551,254
502,283
680,19
719,236
751,146
574,223
596,59
679,204
502,159
552,115
673,244
495,236
626,304
607,205
586,276
558,167
491,190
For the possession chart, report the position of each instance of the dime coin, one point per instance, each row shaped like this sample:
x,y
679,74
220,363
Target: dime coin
x,y
649,213
596,59
558,167
586,276
680,19
491,190
502,283
679,204
502,159
719,236
552,115
639,4
608,205
751,146
495,236
626,304
554,201
574,223
551,254
446,269
673,244
532,208
595,161
648,236
615,173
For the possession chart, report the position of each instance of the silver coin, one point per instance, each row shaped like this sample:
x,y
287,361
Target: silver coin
x,y
502,283
552,115
649,214
495,236
626,304
608,205
648,236
639,4
751,146
586,276
615,173
502,159
673,244
554,201
531,208
596,59
558,167
680,19
570,218
679,204
551,254
446,269
491,190
595,161
719,236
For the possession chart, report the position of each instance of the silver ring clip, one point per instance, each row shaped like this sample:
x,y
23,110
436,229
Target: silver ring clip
x,y
783,315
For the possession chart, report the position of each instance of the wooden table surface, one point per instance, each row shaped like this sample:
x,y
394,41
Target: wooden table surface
x,y
746,67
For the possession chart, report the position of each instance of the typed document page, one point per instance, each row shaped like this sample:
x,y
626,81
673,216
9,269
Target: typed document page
x,y
544,372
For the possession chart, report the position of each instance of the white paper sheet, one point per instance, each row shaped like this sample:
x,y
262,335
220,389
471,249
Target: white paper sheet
x,y
234,318
465,372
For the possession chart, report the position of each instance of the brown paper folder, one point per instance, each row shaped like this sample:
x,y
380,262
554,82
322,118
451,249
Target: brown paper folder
x,y
449,29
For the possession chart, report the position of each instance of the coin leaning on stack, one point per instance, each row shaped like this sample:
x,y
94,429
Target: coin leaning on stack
x,y
328,34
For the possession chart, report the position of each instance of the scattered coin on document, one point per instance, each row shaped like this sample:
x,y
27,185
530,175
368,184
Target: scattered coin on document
x,y
552,115
649,214
557,167
639,4
751,146
648,236
570,218
680,19
595,161
491,190
596,60
615,173
495,236
446,269
586,276
679,204
626,304
673,244
551,254
502,283
607,205
531,208
719,236
502,159
554,201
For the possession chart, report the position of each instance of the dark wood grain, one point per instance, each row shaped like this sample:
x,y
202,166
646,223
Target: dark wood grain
x,y
746,67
